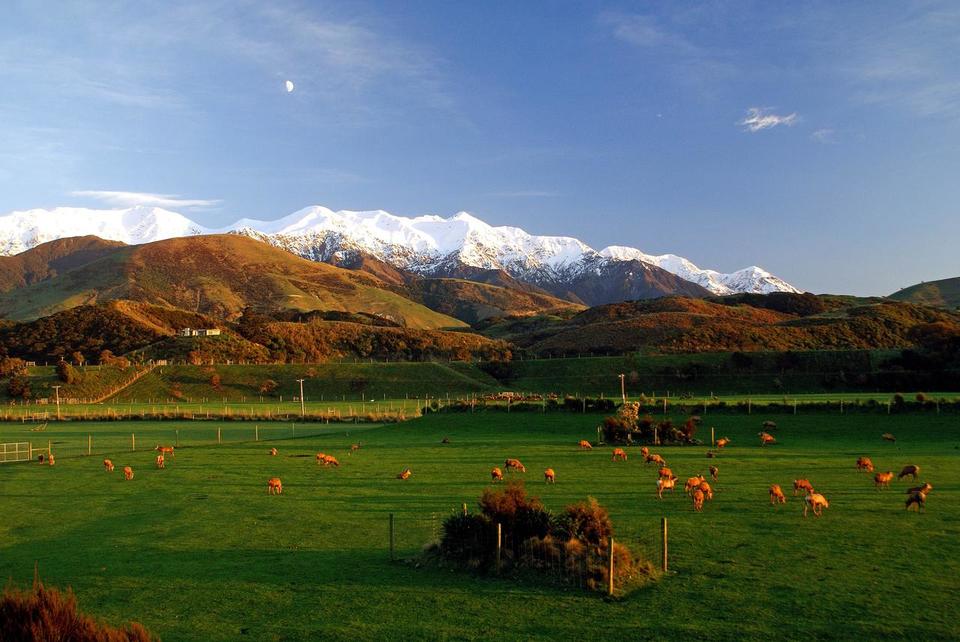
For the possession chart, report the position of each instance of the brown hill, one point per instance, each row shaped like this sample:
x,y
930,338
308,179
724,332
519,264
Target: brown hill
x,y
944,293
48,260
677,324
218,275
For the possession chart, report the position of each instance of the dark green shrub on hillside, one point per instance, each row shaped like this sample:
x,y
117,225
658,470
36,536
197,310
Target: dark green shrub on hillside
x,y
19,387
67,373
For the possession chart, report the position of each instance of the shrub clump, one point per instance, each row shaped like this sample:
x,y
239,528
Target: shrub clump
x,y
48,614
576,542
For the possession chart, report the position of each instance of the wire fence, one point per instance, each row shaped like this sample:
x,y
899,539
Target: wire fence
x,y
67,441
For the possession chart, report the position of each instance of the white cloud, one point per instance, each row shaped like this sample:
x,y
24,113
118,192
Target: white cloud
x,y
760,118
132,199
824,135
645,31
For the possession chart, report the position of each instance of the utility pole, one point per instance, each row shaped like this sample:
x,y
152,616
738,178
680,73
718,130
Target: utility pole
x,y
623,388
301,397
57,391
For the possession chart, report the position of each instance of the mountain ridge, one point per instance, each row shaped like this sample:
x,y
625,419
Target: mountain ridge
x,y
429,245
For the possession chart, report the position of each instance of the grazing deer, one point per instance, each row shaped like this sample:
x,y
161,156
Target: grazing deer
x,y
926,488
273,452
514,464
274,486
165,450
815,501
706,490
108,465
722,442
549,476
127,473
864,464
766,438
714,472
698,500
918,499
619,453
776,495
913,471
692,484
354,447
160,461
664,473
585,445
656,459
888,437
665,484
882,480
405,474
802,485
496,474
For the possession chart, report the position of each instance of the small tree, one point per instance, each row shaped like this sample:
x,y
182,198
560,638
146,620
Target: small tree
x,y
268,387
66,373
11,367
19,387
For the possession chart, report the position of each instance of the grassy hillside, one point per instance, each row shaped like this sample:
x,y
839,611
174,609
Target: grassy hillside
x,y
473,302
944,293
683,325
48,260
332,381
219,276
201,539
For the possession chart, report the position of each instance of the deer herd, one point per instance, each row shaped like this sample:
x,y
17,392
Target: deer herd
x,y
697,488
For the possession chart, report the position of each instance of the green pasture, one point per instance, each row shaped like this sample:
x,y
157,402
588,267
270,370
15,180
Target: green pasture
x,y
199,551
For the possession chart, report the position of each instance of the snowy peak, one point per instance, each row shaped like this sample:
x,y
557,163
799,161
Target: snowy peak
x,y
22,230
429,244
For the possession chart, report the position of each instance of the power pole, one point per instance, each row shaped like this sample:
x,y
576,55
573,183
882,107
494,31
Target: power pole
x,y
623,388
301,397
57,391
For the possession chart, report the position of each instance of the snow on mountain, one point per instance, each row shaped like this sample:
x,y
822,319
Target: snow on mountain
x,y
22,230
429,245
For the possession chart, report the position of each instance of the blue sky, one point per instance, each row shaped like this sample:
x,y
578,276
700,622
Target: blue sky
x,y
821,142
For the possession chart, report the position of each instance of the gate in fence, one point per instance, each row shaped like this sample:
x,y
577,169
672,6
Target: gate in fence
x,y
15,451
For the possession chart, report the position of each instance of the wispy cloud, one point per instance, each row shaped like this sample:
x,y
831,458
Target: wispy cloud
x,y
645,31
907,60
824,135
760,118
147,199
661,38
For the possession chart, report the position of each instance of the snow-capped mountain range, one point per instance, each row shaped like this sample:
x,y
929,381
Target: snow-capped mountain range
x,y
427,245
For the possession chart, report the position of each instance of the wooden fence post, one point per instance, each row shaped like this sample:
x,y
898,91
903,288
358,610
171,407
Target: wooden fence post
x,y
219,439
663,538
89,445
749,406
391,537
256,432
499,545
610,570
464,508
133,441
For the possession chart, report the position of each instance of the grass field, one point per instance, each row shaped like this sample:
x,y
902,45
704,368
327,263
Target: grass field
x,y
199,551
